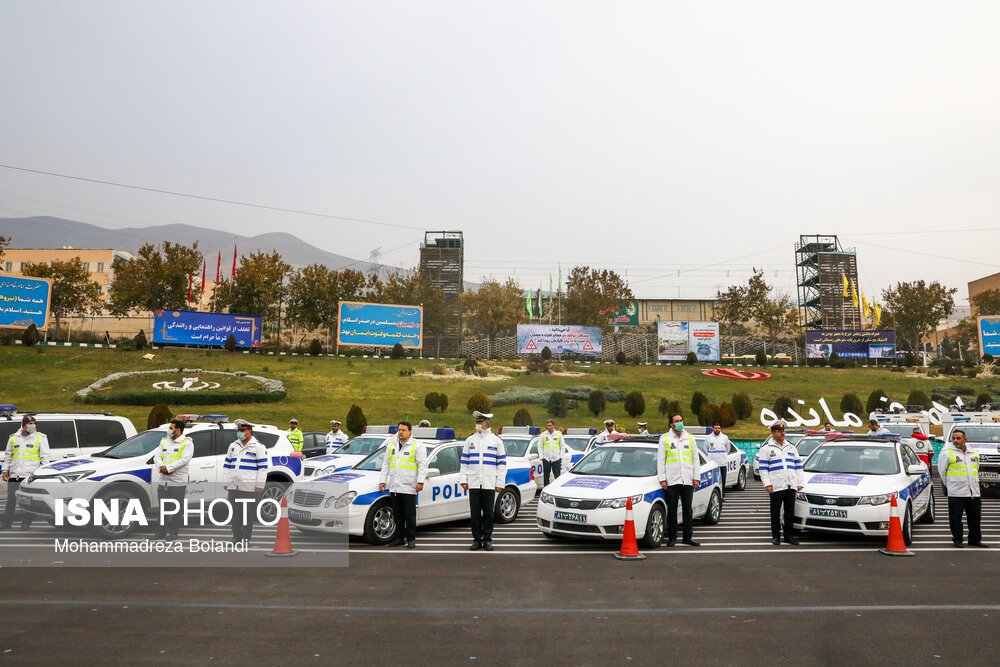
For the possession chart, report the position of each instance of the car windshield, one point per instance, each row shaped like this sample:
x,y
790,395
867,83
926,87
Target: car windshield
x,y
859,459
622,461
515,446
899,429
373,462
807,446
137,445
363,444
979,434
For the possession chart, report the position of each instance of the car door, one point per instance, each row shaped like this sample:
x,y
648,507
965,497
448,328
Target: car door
x,y
206,465
533,454
704,491
443,497
923,497
61,434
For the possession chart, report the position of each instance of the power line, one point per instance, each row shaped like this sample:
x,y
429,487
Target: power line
x,y
925,254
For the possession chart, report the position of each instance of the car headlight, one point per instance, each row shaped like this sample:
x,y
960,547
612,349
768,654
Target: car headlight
x,y
875,500
618,503
329,470
546,498
74,475
801,496
345,500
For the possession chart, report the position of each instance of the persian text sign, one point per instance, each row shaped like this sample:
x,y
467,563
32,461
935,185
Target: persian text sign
x,y
623,315
566,339
989,335
704,340
380,325
856,343
186,327
671,341
24,301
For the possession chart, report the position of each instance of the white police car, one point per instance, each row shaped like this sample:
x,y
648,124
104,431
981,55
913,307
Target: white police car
x,y
522,444
791,437
589,501
737,464
349,501
576,440
849,483
127,471
359,448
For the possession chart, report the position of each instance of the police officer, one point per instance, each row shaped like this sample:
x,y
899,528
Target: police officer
x,y
717,445
605,435
26,450
336,438
244,473
295,435
552,449
172,458
482,473
781,474
404,469
643,430
677,471
958,466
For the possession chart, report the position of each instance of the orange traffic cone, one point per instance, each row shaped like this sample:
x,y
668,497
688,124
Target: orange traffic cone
x,y
283,540
896,546
630,548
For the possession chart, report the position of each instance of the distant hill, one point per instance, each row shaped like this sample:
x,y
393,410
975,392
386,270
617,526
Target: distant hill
x,y
50,232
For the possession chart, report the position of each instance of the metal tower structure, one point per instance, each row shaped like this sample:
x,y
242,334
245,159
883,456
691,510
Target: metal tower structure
x,y
442,257
820,266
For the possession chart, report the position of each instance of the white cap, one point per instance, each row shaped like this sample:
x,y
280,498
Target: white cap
x,y
332,422
609,421
479,416
242,422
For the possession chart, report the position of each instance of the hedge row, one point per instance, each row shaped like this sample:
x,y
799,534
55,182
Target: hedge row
x,y
183,398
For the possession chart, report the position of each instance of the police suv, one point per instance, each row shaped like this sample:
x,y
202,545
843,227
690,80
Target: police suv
x,y
349,501
589,501
70,433
126,471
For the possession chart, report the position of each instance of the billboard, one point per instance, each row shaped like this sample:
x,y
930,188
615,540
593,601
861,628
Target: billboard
x,y
671,341
851,343
24,300
380,325
704,340
187,327
625,314
989,335
560,339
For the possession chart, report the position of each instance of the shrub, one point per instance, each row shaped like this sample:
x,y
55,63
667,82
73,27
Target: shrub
x,y
140,340
442,402
708,414
851,403
431,401
557,405
397,351
983,399
613,395
910,360
664,406
30,336
231,343
760,358
479,401
538,364
742,406
781,405
727,415
692,359
439,369
970,373
160,414
6,338
356,420
126,344
596,402
482,371
469,365
875,402
673,407
315,347
635,360
918,397
698,399
635,404
182,398
522,417
621,357
520,394
546,353
407,372
987,358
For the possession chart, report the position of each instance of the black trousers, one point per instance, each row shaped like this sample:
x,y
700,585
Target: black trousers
x,y
686,493
554,467
481,507
973,508
243,527
783,500
173,523
404,508
13,484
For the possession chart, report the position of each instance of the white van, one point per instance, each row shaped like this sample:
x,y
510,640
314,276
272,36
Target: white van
x,y
70,433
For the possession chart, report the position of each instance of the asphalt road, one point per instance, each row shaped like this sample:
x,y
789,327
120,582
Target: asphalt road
x,y
736,600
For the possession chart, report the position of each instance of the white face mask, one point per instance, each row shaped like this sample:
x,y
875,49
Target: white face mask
x,y
30,428
480,427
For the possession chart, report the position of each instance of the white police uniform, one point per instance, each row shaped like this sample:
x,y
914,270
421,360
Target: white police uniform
x,y
483,468
244,472
335,441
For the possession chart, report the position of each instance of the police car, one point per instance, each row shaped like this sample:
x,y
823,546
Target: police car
x,y
69,433
349,501
522,443
791,437
359,448
589,501
127,471
737,464
849,483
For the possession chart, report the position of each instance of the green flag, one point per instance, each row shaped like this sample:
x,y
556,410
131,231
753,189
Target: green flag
x,y
527,300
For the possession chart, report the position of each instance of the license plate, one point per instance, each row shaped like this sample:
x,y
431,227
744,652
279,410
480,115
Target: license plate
x,y
989,475
571,516
299,515
822,511
23,501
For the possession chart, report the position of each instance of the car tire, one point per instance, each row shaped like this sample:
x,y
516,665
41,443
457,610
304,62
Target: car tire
x,y
106,531
273,490
655,527
931,512
507,506
756,475
380,524
741,479
908,525
714,510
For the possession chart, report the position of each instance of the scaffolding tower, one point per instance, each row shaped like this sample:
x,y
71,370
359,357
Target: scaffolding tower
x,y
442,258
820,266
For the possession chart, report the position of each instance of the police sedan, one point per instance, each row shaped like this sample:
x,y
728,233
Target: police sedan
x,y
349,501
589,501
849,483
737,464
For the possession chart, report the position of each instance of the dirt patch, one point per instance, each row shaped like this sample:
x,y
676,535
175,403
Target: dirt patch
x,y
458,376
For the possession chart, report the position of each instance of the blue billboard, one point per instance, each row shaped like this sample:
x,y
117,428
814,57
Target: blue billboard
x,y
851,343
24,300
380,325
989,335
186,327
560,339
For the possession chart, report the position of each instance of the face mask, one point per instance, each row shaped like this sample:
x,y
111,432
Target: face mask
x,y
244,435
30,428
679,426
481,427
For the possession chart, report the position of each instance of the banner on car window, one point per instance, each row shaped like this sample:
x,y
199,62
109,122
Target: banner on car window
x,y
851,343
380,325
187,327
560,339
24,301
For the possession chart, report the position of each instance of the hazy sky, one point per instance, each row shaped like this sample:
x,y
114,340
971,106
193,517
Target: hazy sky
x,y
649,137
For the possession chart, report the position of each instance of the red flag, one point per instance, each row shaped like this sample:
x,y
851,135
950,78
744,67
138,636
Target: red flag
x,y
204,266
190,281
234,261
218,268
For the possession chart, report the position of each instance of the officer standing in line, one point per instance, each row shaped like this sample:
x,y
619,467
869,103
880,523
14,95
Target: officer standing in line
x,y
717,445
482,473
643,430
243,476
678,474
172,459
295,435
336,438
605,435
404,469
26,450
781,474
958,466
552,449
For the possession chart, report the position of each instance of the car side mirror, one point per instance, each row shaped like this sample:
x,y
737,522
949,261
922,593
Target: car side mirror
x,y
916,469
433,472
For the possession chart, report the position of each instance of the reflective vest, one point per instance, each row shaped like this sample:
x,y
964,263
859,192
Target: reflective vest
x,y
24,454
678,455
172,455
957,468
295,438
400,461
552,445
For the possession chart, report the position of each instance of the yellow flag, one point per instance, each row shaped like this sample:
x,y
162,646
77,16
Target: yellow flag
x,y
878,314
854,294
844,276
864,304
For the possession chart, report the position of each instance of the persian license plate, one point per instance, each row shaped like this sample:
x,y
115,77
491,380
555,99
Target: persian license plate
x,y
823,511
299,515
571,516
990,475
23,501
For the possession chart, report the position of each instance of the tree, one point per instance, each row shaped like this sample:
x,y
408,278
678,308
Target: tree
x,y
986,302
635,404
356,420
556,405
258,289
314,293
776,317
72,289
915,308
742,405
781,405
596,402
726,415
918,397
851,403
479,401
664,406
4,244
432,400
397,351
753,302
158,277
875,401
588,291
522,417
494,309
159,415
698,399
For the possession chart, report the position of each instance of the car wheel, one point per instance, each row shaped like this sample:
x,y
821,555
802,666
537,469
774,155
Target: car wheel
x,y
272,491
741,480
908,526
714,509
654,528
507,507
106,529
756,475
931,511
380,524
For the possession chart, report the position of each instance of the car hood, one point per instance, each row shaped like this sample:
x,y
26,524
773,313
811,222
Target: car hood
x,y
599,486
91,463
362,481
830,484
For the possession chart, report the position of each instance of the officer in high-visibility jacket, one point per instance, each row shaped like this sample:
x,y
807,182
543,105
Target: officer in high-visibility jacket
x,y
677,470
244,474
482,473
404,470
336,438
172,458
26,450
295,437
781,474
552,447
958,465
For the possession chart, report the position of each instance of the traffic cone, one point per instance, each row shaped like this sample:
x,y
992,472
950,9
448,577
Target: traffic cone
x,y
283,540
895,546
630,548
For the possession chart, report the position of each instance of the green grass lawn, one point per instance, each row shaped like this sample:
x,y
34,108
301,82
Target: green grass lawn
x,y
321,388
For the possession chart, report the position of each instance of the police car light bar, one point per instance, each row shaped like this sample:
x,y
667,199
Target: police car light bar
x,y
215,419
380,430
7,409
579,431
431,433
520,430
187,418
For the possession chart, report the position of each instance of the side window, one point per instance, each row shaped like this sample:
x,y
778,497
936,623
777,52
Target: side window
x,y
446,460
701,459
909,458
99,432
202,443
732,449
7,429
61,434
267,439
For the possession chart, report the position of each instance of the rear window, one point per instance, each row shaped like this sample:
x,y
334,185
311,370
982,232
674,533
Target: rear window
x,y
267,439
99,432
